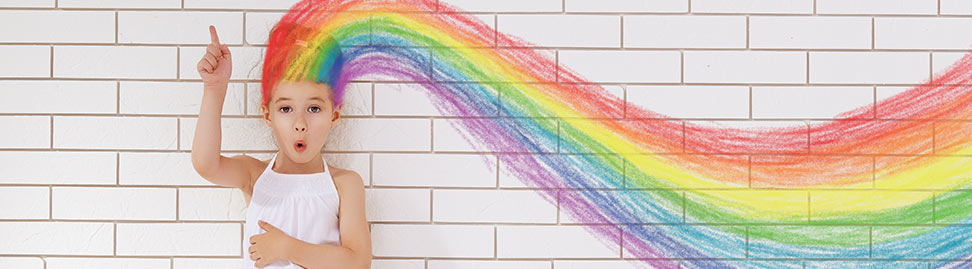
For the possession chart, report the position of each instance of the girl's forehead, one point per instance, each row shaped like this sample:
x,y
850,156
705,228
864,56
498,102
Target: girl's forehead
x,y
300,90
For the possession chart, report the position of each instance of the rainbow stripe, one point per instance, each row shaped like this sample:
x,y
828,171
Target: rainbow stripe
x,y
879,185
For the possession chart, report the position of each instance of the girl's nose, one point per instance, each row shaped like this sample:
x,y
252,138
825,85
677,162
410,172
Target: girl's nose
x,y
300,129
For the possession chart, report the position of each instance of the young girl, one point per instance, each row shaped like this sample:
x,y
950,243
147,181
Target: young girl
x,y
296,202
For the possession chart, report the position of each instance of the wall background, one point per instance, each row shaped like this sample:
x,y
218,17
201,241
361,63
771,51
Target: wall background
x,y
100,98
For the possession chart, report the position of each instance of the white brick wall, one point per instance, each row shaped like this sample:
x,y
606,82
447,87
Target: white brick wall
x,y
99,102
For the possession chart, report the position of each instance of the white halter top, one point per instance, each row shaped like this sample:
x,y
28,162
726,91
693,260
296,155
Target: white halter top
x,y
303,206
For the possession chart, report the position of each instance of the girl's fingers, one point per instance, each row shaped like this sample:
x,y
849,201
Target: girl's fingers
x,y
204,65
212,60
213,37
225,50
214,50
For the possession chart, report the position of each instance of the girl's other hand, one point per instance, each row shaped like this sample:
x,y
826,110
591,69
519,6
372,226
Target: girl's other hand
x,y
270,246
216,65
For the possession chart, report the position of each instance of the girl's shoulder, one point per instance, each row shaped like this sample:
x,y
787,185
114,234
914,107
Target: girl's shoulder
x,y
344,178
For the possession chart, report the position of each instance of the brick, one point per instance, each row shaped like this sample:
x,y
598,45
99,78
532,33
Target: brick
x,y
359,134
179,27
398,263
247,62
58,26
504,6
237,134
449,135
84,132
941,61
439,170
869,67
746,137
25,203
730,245
404,100
528,241
856,237
50,96
92,263
158,168
218,204
542,63
811,102
563,30
648,207
76,203
442,264
575,264
867,264
788,206
245,4
22,262
684,31
883,206
29,3
952,235
115,62
452,241
109,4
753,6
730,102
56,238
639,172
922,33
31,132
622,66
358,162
872,137
387,204
155,98
903,7
258,26
789,32
179,239
32,61
34,167
952,137
202,263
889,176
956,7
782,172
494,206
745,67
627,6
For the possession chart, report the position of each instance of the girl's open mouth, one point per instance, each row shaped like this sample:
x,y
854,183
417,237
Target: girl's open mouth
x,y
300,146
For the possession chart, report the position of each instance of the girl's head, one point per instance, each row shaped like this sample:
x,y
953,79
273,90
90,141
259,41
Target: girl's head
x,y
302,88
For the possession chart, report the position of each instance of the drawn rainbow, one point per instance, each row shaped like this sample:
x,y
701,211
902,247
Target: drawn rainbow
x,y
881,184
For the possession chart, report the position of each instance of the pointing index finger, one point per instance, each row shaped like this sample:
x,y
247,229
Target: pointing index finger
x,y
213,35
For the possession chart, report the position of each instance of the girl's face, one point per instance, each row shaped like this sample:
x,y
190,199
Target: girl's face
x,y
301,115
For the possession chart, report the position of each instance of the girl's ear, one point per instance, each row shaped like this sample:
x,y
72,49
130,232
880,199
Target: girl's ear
x,y
336,114
266,114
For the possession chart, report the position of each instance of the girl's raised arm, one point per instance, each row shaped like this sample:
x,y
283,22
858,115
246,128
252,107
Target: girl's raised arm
x,y
215,68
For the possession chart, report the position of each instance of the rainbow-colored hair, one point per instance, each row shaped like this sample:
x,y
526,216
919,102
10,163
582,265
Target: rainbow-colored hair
x,y
299,51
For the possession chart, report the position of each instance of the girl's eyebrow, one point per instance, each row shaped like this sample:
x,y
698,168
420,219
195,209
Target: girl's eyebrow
x,y
286,99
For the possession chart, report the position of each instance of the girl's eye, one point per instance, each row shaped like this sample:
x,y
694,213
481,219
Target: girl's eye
x,y
314,109
285,109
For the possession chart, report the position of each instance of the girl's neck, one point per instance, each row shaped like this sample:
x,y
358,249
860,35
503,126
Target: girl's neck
x,y
285,165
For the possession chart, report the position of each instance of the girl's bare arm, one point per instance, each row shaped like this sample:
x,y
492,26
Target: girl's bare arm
x,y
215,68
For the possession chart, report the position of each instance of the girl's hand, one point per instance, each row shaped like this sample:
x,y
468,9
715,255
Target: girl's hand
x,y
216,66
268,247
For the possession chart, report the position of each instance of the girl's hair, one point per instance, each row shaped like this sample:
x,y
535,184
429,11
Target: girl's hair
x,y
300,53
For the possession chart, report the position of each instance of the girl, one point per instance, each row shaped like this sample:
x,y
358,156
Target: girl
x,y
295,185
